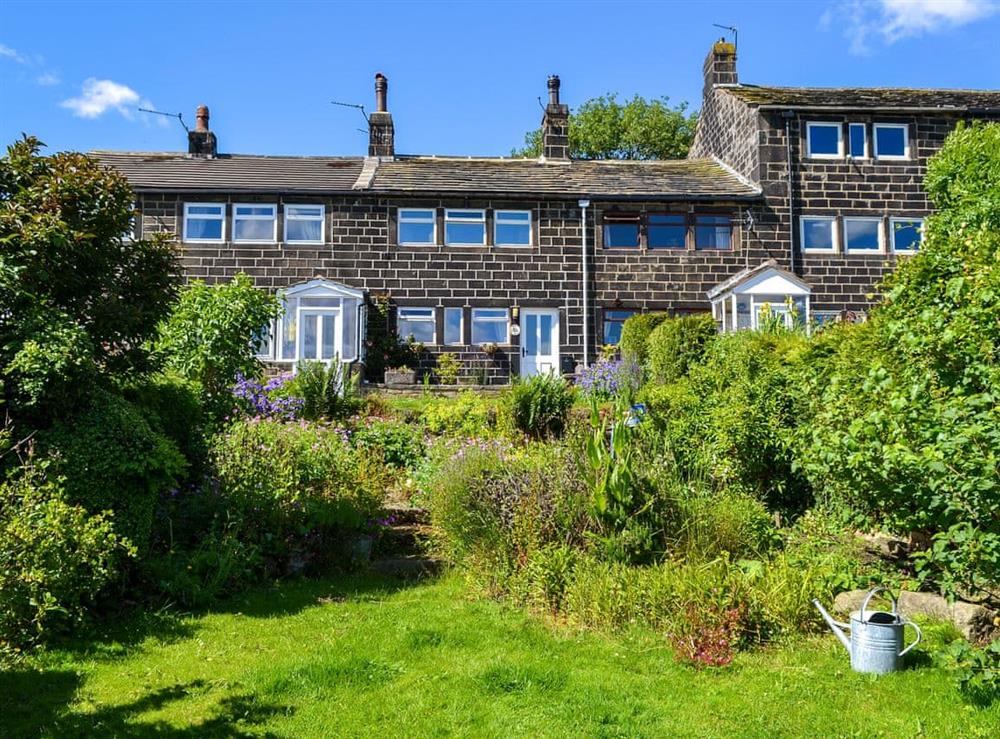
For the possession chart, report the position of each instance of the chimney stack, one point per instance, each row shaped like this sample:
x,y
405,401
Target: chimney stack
x,y
555,125
381,134
720,65
201,141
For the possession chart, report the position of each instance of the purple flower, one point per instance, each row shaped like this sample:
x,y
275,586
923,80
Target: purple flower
x,y
607,378
257,399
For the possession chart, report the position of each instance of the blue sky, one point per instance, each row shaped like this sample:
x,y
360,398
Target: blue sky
x,y
464,77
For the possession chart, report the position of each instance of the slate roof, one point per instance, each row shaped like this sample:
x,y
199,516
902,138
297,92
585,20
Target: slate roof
x,y
234,172
680,178
879,98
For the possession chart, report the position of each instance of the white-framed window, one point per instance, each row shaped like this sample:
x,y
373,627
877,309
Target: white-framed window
x,y
255,223
824,140
906,234
453,325
263,342
416,324
818,233
320,320
862,235
305,224
417,226
892,140
512,228
464,227
205,222
490,325
857,140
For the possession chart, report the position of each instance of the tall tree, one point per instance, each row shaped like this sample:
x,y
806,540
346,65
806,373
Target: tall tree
x,y
603,128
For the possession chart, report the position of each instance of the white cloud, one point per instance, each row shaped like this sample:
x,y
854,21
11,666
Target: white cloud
x,y
892,20
99,96
48,79
12,54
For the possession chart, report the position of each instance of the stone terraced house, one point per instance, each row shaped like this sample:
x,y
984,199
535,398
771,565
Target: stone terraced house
x,y
798,198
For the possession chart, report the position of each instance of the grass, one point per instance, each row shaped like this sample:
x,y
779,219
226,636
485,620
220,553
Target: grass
x,y
366,657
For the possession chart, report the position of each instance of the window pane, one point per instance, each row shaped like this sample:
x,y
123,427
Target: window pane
x,y
906,235
350,330
198,228
613,322
667,232
416,233
713,232
530,333
465,233
890,142
861,235
304,211
452,325
205,210
857,139
416,322
495,313
817,233
485,331
297,230
473,215
309,336
253,230
545,327
823,139
621,234
517,234
289,329
423,215
265,211
329,336
513,216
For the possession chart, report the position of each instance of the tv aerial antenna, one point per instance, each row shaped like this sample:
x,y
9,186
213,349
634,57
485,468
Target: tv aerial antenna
x,y
178,116
735,32
356,107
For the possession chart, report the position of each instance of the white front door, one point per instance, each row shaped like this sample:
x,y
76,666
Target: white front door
x,y
539,341
319,334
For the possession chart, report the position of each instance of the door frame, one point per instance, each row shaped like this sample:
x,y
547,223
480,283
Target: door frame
x,y
556,337
324,312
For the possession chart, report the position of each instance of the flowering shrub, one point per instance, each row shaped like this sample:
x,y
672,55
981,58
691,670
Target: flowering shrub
x,y
261,399
707,636
608,378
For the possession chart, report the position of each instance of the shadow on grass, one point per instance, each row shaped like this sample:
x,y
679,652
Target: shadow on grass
x,y
33,703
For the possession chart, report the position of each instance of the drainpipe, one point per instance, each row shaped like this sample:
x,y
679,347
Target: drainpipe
x,y
788,115
584,204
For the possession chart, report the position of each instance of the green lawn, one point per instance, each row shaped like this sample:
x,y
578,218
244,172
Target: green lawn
x,y
367,657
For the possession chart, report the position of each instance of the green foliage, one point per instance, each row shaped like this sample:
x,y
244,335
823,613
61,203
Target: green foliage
x,y
385,347
906,427
725,524
71,268
448,366
399,444
975,670
55,559
291,487
328,390
174,406
539,405
678,343
467,414
113,459
210,335
635,334
603,128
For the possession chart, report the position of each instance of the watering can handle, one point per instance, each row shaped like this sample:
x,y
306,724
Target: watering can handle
x,y
879,589
915,628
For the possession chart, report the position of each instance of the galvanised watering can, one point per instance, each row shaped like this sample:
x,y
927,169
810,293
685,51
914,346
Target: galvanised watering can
x,y
876,643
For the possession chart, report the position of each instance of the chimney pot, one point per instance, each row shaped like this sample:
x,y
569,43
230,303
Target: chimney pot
x,y
381,92
553,89
201,141
720,65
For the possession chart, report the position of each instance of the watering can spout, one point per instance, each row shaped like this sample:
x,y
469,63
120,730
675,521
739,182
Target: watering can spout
x,y
836,626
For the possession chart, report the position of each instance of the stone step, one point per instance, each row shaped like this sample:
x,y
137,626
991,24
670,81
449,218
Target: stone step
x,y
405,514
407,567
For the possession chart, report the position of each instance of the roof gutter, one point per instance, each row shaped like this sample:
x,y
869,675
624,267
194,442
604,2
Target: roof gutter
x,y
893,108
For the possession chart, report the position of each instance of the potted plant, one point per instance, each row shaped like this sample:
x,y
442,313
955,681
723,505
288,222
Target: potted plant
x,y
489,348
395,376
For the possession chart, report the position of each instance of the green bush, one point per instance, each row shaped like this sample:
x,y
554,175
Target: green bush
x,y
295,489
539,405
678,343
399,444
210,336
174,406
112,459
55,558
327,390
635,332
733,524
448,366
467,414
